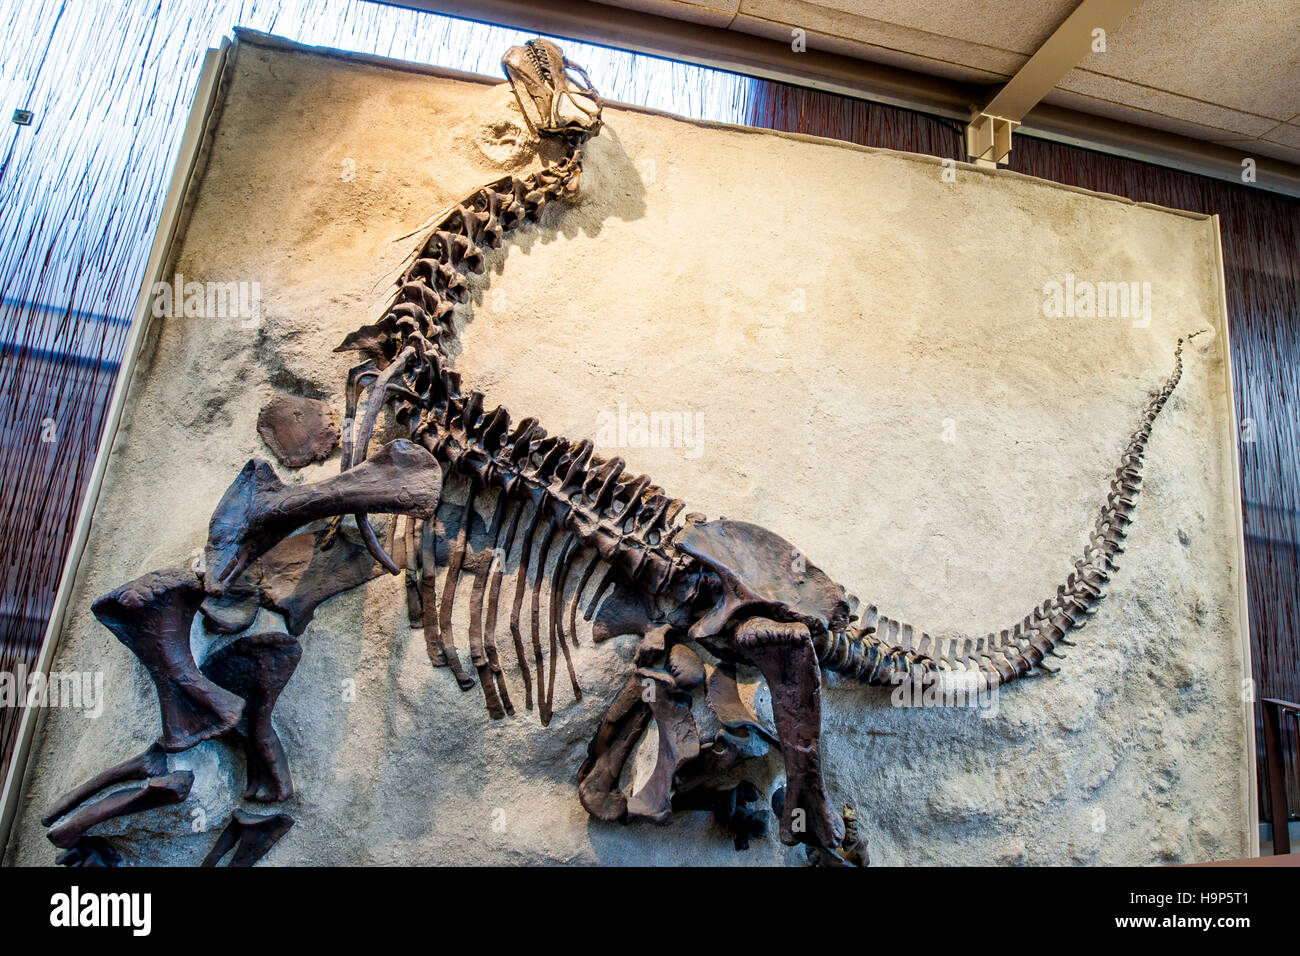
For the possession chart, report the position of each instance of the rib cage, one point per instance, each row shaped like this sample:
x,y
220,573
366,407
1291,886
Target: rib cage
x,y
574,499
886,651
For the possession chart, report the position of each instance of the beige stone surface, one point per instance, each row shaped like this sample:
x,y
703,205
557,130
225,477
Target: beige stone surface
x,y
1241,55
863,348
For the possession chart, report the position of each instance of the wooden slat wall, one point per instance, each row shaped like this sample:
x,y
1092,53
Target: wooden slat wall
x,y
80,205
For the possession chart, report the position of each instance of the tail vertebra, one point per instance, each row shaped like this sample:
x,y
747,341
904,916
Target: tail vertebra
x,y
885,651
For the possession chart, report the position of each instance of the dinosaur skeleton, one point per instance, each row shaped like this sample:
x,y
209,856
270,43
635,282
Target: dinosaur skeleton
x,y
734,588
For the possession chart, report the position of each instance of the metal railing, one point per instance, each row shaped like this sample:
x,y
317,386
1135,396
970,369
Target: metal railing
x,y
1274,711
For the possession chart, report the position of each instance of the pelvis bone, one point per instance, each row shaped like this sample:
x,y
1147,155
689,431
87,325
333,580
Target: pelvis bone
x,y
258,509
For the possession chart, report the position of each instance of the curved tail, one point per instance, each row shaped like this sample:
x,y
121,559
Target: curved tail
x,y
886,651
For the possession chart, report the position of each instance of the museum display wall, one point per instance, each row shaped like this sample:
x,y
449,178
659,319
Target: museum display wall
x,y
1258,232
886,360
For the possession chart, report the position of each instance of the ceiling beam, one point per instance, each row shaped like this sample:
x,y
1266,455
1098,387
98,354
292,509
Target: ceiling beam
x,y
1059,54
988,134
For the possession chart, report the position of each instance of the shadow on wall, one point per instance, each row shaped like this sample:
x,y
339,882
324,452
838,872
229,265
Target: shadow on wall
x,y
611,188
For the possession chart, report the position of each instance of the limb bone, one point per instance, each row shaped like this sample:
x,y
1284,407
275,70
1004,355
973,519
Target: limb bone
x,y
785,655
150,763
152,616
250,835
158,792
257,668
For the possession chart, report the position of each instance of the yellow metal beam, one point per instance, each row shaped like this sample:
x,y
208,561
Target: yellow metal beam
x,y
1060,53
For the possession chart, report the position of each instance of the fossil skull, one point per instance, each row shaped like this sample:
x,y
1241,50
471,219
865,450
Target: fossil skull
x,y
555,94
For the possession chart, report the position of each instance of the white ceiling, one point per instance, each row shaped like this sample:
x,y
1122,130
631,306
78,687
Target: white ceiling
x,y
1224,71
